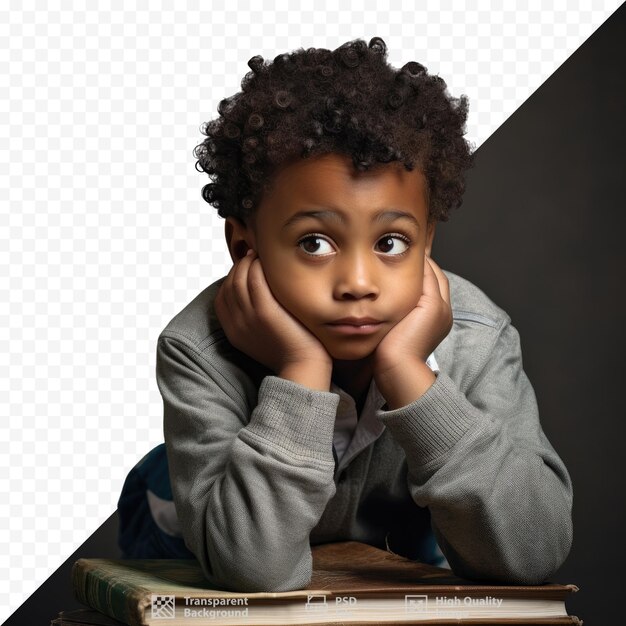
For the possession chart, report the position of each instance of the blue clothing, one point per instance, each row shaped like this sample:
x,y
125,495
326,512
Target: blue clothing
x,y
140,536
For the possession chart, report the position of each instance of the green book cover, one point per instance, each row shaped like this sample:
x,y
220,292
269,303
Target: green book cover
x,y
124,588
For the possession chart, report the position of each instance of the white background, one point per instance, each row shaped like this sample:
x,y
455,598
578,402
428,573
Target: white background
x,y
105,236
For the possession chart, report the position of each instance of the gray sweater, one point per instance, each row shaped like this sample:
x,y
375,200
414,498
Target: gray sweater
x,y
253,474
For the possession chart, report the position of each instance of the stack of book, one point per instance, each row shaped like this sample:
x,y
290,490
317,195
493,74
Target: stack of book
x,y
352,584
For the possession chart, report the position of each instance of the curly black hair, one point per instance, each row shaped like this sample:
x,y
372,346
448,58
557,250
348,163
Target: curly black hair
x,y
349,101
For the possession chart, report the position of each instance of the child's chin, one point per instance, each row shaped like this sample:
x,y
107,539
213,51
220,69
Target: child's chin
x,y
349,353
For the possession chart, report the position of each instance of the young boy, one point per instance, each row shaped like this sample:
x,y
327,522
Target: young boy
x,y
337,384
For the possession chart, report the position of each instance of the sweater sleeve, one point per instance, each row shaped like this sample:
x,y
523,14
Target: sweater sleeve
x,y
500,497
248,488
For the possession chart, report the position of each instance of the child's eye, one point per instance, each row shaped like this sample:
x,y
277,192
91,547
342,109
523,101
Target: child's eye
x,y
315,245
393,244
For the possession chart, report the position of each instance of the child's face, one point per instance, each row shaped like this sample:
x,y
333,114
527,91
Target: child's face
x,y
360,255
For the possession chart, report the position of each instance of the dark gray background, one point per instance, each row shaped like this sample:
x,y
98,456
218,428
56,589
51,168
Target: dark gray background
x,y
541,231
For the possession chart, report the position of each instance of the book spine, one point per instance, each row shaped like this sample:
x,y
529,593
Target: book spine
x,y
94,588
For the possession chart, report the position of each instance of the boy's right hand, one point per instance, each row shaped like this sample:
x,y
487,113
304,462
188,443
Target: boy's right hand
x,y
258,325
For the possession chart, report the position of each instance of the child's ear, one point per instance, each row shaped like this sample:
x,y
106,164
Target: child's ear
x,y
430,235
239,238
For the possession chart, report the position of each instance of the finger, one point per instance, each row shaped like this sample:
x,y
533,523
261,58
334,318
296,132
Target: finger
x,y
258,288
430,285
442,279
239,290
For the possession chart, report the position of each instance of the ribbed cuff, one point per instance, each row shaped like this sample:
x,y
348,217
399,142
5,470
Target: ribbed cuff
x,y
296,419
429,426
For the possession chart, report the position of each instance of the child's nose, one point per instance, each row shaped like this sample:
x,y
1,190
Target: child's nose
x,y
355,278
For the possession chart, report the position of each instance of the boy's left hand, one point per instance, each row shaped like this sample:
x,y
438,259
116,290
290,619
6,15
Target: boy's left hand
x,y
411,341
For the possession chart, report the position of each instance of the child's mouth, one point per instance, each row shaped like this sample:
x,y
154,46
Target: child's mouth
x,y
355,326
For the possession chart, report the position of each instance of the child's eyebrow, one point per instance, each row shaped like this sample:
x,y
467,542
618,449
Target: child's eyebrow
x,y
384,215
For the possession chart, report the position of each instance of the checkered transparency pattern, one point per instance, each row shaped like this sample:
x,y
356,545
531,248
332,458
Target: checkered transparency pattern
x,y
104,233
